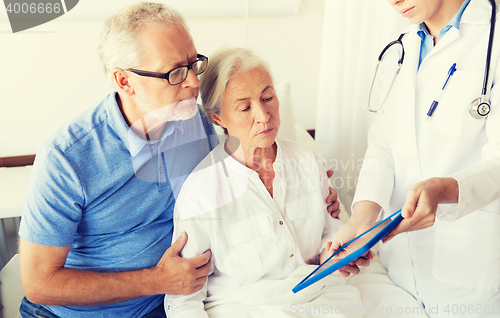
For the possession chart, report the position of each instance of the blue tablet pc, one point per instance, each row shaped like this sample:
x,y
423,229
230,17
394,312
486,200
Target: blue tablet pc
x,y
354,255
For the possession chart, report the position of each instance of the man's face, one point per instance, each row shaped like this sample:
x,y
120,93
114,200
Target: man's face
x,y
165,48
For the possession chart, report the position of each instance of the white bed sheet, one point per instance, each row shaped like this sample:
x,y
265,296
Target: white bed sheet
x,y
381,298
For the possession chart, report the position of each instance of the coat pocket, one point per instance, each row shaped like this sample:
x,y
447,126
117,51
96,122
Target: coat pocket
x,y
452,116
467,251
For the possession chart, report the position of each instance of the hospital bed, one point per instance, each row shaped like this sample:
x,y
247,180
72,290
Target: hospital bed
x,y
376,289
13,186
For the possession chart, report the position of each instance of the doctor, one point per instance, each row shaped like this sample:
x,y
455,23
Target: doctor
x,y
444,171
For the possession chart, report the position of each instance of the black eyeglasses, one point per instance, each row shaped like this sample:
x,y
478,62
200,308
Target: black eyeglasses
x,y
179,74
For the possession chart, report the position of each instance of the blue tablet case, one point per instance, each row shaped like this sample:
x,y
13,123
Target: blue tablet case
x,y
354,255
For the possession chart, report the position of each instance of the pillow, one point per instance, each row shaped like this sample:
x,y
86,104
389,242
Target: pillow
x,y
287,128
290,128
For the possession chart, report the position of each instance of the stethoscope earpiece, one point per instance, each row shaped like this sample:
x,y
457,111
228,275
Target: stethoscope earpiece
x,y
479,109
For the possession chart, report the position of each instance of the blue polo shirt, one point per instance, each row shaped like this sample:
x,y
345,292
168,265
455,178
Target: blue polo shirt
x,y
428,40
94,187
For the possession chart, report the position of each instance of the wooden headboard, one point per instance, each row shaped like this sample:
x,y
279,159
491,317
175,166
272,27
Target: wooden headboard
x,y
17,161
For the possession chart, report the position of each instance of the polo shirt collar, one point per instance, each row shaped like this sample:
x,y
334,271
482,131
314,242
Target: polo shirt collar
x,y
132,142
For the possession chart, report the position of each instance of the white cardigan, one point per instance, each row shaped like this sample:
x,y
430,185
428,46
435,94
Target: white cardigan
x,y
252,236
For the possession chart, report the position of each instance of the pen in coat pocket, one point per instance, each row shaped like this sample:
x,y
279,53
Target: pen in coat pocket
x,y
435,102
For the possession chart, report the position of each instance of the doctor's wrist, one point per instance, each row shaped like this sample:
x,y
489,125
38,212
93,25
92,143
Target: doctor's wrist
x,y
449,189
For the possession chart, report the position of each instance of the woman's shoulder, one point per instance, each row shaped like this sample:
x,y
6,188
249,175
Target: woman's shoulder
x,y
297,150
206,189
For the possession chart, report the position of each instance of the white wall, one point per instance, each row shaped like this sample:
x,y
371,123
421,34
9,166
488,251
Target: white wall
x,y
291,45
51,73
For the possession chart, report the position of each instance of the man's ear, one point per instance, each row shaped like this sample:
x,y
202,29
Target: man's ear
x,y
218,120
121,80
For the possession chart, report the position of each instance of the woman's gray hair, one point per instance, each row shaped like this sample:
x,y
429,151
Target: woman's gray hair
x,y
119,45
222,66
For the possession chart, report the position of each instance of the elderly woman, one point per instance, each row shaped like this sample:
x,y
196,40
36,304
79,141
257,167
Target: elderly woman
x,y
258,204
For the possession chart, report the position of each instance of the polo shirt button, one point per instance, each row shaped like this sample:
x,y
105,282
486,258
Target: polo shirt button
x,y
291,255
168,307
281,222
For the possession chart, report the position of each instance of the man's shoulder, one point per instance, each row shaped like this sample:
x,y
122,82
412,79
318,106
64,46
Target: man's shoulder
x,y
81,126
207,123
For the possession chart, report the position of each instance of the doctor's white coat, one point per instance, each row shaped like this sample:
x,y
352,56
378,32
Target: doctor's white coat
x,y
456,261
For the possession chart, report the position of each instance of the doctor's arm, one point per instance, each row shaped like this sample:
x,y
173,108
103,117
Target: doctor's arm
x,y
332,226
469,189
374,188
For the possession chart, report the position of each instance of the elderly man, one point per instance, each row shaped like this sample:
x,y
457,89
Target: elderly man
x,y
97,225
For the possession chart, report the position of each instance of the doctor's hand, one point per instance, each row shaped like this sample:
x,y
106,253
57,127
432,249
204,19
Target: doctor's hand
x,y
332,201
178,276
419,210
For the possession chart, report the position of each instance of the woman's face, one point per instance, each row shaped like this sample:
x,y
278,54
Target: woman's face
x,y
418,11
250,109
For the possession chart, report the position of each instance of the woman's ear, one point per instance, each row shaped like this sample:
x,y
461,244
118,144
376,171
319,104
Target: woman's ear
x,y
217,119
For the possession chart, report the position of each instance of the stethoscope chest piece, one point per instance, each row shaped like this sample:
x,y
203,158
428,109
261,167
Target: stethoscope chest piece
x,y
479,109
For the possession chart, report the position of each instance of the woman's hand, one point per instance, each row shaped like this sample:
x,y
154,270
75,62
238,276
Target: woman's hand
x,y
351,268
345,234
364,216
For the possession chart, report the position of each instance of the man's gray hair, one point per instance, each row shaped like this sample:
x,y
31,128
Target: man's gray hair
x,y
222,66
119,45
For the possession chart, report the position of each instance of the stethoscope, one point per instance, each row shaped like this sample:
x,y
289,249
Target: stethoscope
x,y
480,107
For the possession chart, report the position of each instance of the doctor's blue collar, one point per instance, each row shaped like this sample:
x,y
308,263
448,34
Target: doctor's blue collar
x,y
454,22
428,39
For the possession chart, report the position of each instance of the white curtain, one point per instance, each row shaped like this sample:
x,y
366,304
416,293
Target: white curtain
x,y
354,33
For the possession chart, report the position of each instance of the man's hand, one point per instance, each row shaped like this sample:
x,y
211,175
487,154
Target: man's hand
x,y
181,276
332,202
419,210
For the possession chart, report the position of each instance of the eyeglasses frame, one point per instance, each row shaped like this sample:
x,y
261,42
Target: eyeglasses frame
x,y
199,57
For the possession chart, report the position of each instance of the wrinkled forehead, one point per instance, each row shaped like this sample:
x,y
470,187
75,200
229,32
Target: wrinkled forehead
x,y
240,67
166,45
246,83
255,75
